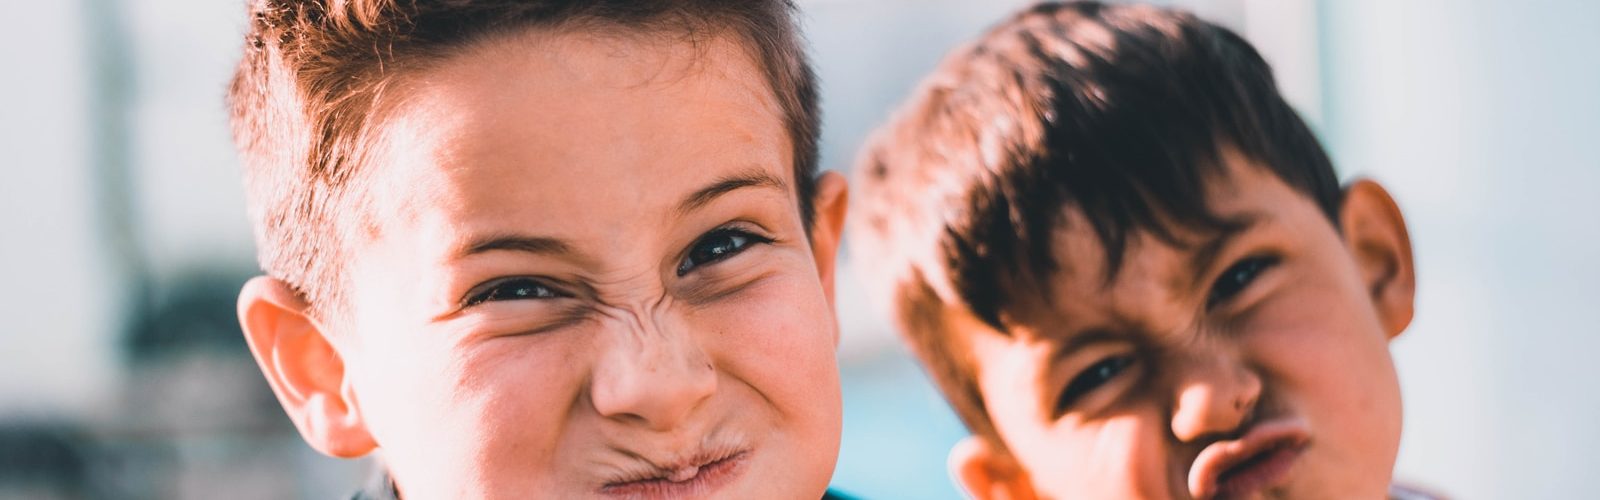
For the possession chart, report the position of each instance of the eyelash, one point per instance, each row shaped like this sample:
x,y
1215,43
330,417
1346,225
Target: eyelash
x,y
741,240
1237,278
513,289
1092,378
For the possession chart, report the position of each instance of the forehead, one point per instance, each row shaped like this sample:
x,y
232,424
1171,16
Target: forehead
x,y
541,128
1155,274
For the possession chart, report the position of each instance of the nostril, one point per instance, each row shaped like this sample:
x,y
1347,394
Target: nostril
x,y
1212,407
657,388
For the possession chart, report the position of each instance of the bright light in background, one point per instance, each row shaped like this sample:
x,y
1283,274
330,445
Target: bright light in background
x,y
1482,117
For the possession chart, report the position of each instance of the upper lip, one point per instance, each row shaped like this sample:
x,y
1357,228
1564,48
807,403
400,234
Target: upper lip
x,y
1221,456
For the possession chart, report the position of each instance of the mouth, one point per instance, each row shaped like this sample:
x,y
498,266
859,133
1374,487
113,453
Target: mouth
x,y
688,479
1259,460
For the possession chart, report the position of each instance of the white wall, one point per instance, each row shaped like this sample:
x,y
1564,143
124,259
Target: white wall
x,y
1482,119
59,294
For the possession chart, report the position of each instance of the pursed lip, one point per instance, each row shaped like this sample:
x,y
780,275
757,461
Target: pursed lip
x,y
693,478
1256,461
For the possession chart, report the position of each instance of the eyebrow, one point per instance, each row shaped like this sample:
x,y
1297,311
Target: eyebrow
x,y
1205,256
544,245
539,245
753,177
1078,340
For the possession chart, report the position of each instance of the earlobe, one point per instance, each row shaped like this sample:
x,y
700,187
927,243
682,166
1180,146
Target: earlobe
x,y
303,368
830,205
988,473
1375,233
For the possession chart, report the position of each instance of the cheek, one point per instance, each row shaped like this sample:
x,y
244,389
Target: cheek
x,y
1329,343
511,394
779,332
453,415
398,380
1125,455
774,345
1328,361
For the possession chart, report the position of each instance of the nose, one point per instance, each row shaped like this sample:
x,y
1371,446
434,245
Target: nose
x,y
1213,397
652,377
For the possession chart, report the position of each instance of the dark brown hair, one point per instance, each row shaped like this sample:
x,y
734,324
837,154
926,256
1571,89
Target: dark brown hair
x,y
1120,112
316,73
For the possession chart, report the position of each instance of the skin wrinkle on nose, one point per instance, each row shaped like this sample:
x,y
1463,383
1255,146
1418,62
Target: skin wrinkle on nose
x,y
1210,384
649,343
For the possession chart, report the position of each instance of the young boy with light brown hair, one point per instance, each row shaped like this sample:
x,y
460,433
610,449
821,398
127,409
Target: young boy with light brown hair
x,y
1131,269
537,249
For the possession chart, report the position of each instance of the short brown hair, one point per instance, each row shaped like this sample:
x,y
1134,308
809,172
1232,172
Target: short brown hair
x,y
1119,112
311,83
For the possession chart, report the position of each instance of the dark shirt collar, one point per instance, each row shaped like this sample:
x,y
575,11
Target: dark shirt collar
x,y
380,487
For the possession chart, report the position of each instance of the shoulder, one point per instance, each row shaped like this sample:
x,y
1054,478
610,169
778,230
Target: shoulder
x,y
832,494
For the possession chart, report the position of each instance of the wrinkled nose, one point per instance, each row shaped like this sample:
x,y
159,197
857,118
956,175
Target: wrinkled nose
x,y
653,378
1214,397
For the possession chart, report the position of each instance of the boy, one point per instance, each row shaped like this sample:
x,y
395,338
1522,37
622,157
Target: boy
x,y
1131,270
544,249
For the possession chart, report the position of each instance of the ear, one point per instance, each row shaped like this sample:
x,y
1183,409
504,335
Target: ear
x,y
988,473
1376,236
304,369
827,226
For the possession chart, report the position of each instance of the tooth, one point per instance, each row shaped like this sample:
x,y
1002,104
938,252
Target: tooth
x,y
683,474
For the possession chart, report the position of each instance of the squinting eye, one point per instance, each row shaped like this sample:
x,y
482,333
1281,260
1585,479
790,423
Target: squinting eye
x,y
513,289
1236,278
1095,376
715,246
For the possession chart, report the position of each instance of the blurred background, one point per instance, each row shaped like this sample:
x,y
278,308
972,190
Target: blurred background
x,y
123,239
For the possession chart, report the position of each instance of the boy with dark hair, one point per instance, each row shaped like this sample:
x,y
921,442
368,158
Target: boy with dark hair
x,y
1130,267
538,249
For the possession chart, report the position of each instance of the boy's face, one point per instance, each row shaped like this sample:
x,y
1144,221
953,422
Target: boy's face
x,y
1246,365
588,278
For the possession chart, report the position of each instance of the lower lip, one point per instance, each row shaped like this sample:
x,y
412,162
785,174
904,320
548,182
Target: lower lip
x,y
710,477
1259,473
